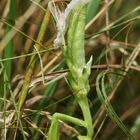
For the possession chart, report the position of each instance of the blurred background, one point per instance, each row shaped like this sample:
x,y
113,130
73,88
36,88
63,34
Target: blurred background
x,y
112,37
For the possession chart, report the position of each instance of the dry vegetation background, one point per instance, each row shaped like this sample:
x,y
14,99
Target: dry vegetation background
x,y
112,37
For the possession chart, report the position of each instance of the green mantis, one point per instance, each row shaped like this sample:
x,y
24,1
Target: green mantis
x,y
74,55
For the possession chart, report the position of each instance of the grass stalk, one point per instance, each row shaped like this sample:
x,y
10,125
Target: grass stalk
x,y
30,68
9,48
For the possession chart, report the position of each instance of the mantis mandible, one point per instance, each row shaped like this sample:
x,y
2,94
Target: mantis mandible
x,y
72,20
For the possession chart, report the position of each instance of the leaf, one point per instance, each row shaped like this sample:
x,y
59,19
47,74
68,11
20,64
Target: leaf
x,y
104,100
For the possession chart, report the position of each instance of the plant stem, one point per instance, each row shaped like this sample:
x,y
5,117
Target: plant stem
x,y
30,68
9,48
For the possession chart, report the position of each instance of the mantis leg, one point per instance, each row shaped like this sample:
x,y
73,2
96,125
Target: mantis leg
x,y
54,128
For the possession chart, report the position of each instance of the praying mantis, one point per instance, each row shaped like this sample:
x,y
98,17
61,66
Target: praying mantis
x,y
72,20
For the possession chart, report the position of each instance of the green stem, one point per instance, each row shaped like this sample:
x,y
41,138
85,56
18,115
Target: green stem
x,y
31,65
9,48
